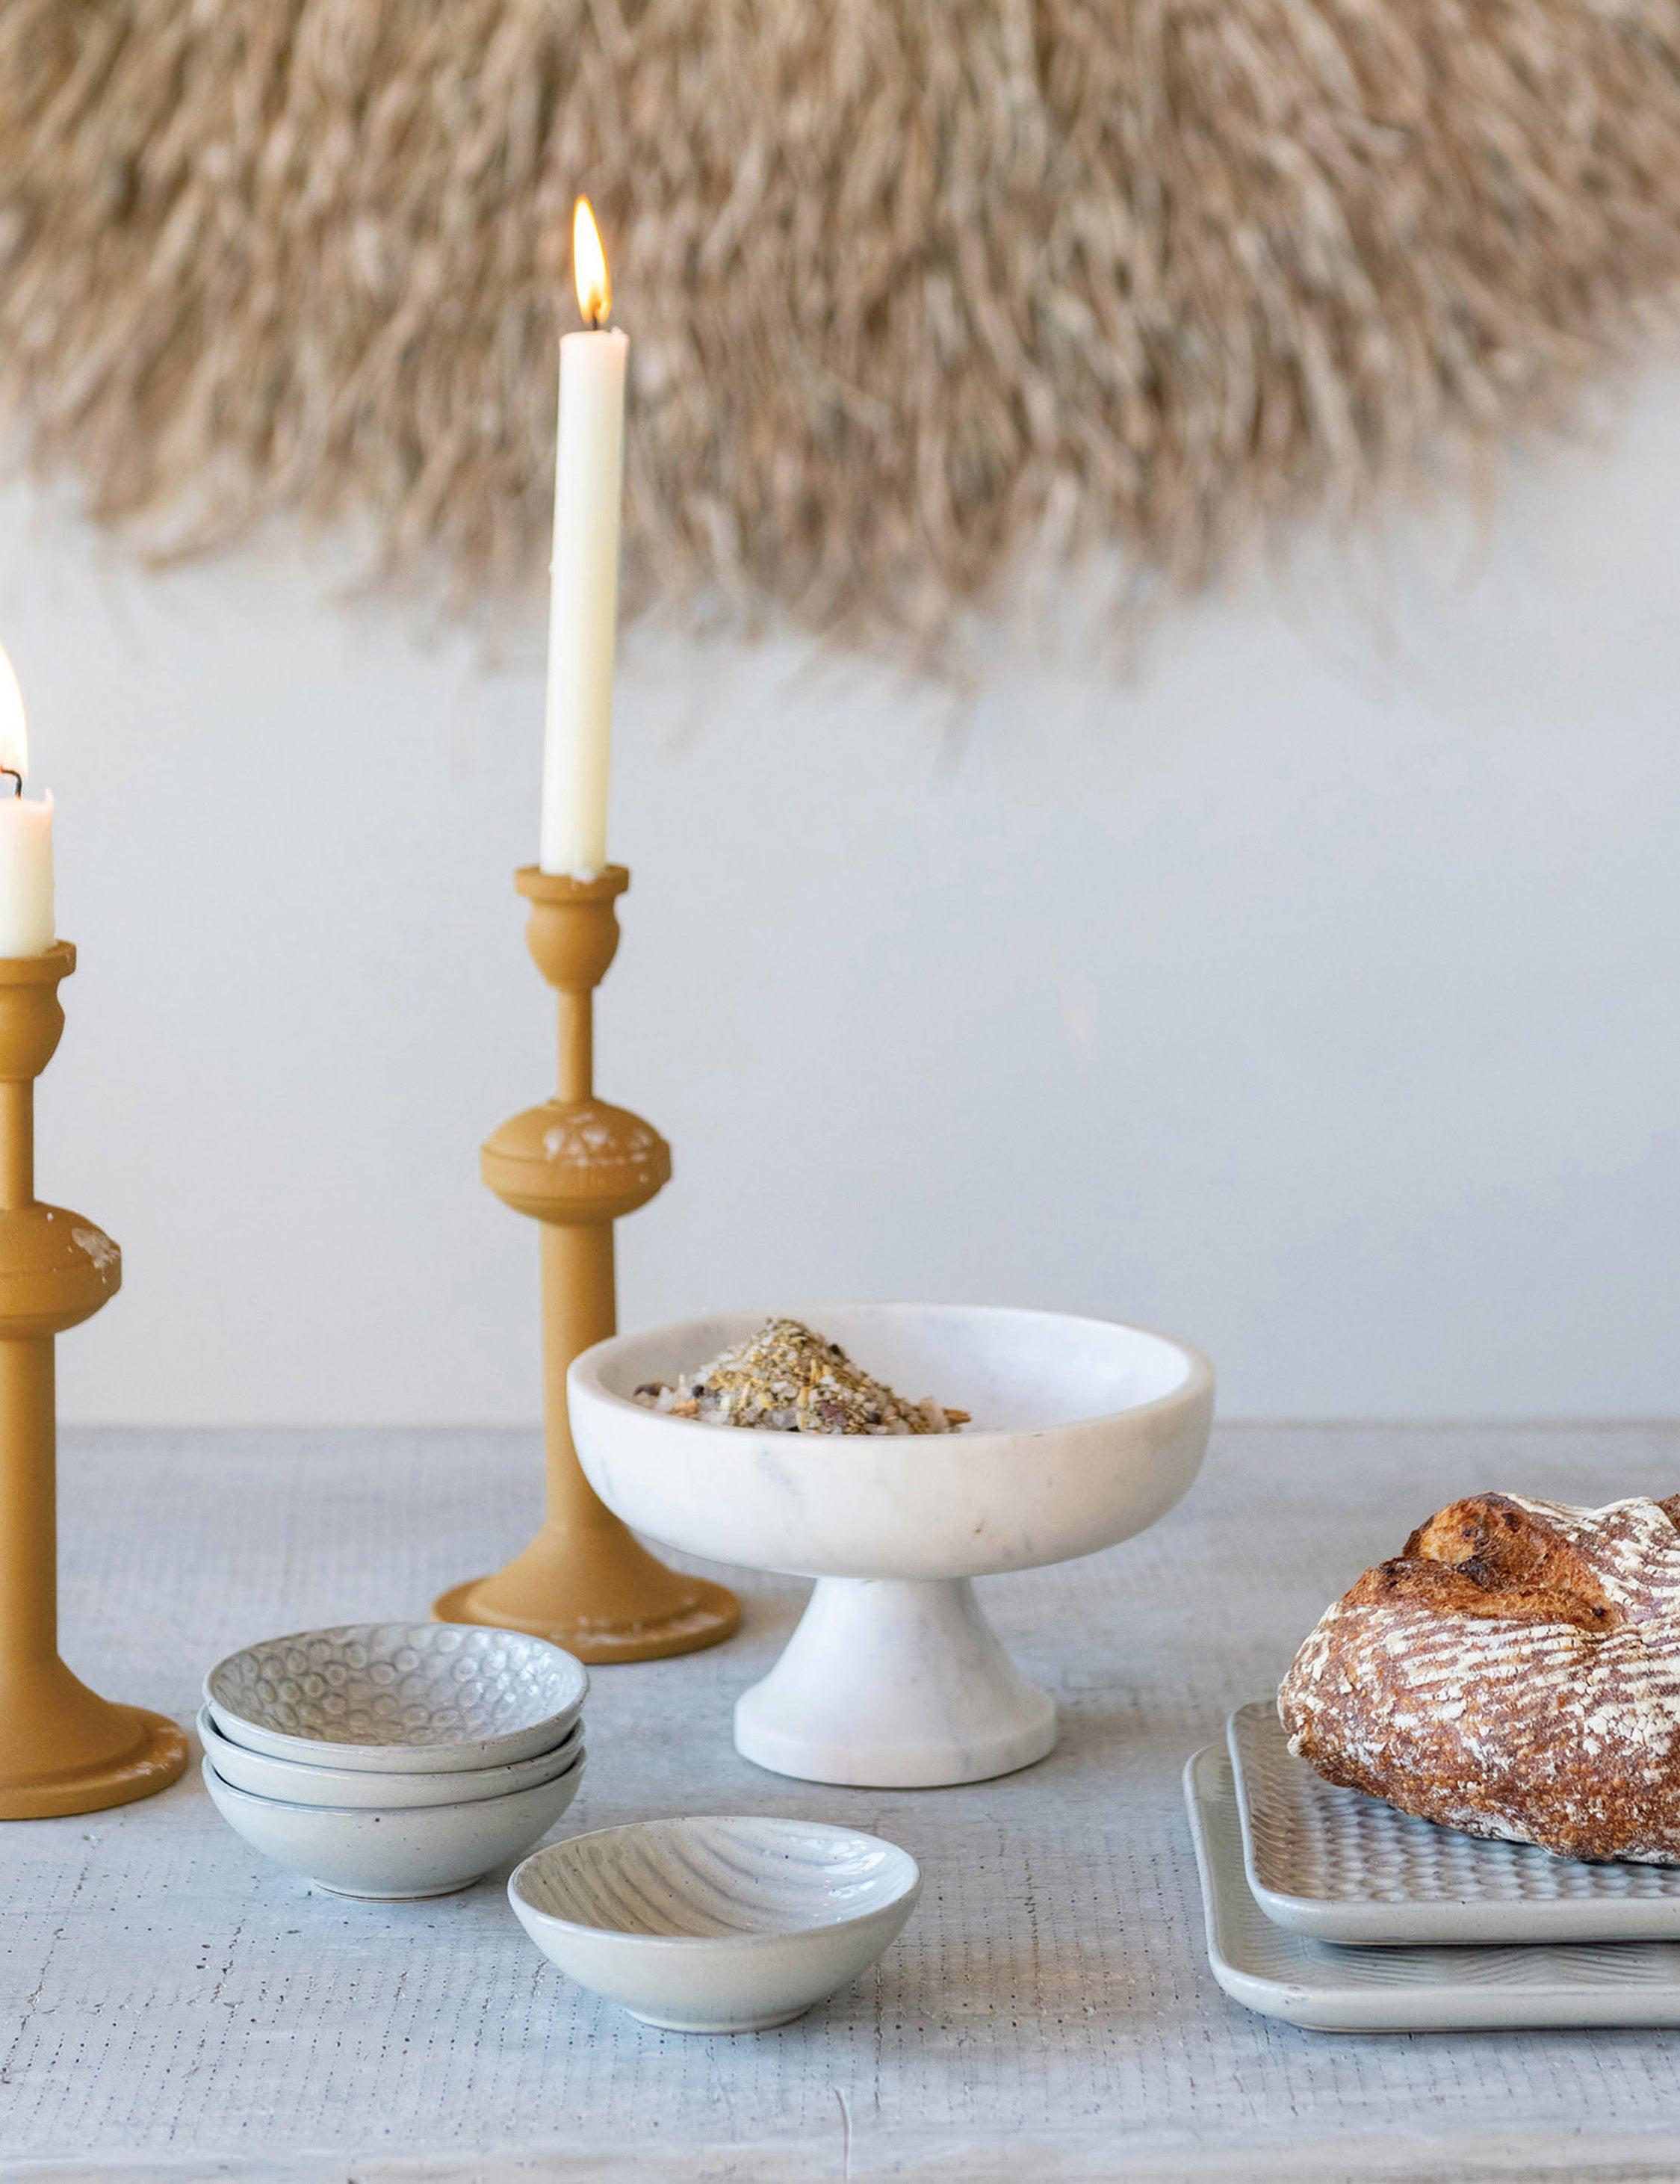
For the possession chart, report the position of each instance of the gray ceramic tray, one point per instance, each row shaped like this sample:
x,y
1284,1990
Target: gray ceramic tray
x,y
1332,1989
1342,1866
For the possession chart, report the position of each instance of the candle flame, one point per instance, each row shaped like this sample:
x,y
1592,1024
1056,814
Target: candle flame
x,y
14,729
589,265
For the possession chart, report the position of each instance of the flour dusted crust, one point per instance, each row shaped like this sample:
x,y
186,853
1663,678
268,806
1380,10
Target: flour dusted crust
x,y
1515,1672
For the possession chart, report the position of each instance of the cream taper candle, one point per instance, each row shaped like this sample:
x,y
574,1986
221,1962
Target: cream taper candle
x,y
26,835
583,600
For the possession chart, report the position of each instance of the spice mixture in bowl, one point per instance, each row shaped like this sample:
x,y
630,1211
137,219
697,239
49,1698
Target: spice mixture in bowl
x,y
790,1379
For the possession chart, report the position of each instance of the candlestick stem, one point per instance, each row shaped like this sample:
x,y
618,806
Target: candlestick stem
x,y
579,1304
28,1577
577,1165
62,1749
17,1145
574,1075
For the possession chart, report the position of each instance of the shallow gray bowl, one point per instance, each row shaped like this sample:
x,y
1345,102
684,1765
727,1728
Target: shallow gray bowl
x,y
716,1924
393,1853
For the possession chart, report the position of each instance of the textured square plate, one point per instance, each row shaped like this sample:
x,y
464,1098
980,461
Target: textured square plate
x,y
1331,1989
1342,1866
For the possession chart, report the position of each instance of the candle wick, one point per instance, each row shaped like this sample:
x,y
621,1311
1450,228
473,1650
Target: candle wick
x,y
16,778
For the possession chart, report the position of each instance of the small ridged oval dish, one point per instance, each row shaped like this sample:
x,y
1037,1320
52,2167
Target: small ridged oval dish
x,y
716,1924
1339,1866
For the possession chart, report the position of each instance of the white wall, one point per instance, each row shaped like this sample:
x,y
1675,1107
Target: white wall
x,y
1315,994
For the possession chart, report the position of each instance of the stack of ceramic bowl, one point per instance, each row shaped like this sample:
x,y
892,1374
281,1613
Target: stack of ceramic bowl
x,y
394,1759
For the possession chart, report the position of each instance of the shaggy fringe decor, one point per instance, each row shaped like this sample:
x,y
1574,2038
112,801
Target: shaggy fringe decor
x,y
918,290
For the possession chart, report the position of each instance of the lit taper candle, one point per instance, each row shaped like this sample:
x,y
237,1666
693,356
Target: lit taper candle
x,y
583,600
25,834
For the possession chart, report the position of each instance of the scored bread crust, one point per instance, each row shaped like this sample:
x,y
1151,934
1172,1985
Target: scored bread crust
x,y
1515,1672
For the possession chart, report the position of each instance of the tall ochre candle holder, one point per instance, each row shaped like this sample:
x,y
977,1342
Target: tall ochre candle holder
x,y
575,1165
62,1749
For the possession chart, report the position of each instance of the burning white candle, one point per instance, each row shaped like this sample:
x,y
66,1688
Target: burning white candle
x,y
583,600
26,835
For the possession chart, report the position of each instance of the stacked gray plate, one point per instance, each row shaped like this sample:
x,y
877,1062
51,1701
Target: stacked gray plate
x,y
394,1759
1337,1912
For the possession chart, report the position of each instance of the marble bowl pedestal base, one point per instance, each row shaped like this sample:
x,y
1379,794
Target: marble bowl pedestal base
x,y
894,1682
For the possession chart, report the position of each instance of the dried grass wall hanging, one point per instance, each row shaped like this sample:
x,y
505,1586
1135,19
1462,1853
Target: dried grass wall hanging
x,y
916,288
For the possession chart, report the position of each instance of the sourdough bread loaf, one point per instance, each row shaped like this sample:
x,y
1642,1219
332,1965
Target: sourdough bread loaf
x,y
1515,1672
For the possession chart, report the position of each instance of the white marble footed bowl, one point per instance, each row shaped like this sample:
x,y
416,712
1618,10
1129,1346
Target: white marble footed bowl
x,y
1083,1432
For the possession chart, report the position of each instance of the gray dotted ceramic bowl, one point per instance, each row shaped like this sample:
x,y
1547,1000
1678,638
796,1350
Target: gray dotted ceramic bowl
x,y
398,1698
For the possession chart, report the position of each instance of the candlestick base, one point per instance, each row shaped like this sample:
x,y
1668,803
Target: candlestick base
x,y
599,1593
63,1749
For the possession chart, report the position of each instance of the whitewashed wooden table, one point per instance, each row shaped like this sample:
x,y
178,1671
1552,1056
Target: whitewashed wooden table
x,y
170,2007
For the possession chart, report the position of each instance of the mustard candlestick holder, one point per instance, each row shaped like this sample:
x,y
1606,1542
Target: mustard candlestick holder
x,y
575,1165
62,1749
